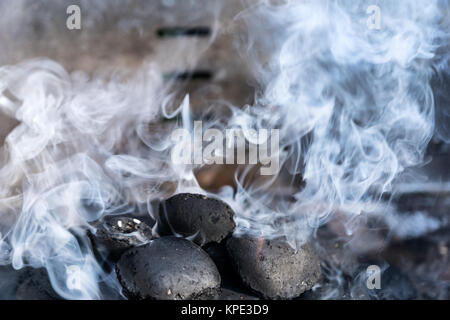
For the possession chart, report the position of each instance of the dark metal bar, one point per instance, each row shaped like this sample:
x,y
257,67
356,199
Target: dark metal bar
x,y
170,32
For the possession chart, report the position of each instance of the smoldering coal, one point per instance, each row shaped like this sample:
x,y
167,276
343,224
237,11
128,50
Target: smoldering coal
x,y
168,268
203,218
273,268
117,234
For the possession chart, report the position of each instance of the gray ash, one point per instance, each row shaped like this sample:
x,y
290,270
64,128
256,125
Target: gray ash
x,y
116,234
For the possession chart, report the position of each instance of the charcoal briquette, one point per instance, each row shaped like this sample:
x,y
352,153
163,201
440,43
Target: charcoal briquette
x,y
273,268
201,218
119,233
168,268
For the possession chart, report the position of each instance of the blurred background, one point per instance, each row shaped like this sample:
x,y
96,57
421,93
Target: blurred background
x,y
191,42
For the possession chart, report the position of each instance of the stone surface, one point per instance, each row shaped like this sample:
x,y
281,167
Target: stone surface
x,y
273,268
193,215
168,268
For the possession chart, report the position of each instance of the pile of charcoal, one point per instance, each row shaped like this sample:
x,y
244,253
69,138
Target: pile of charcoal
x,y
189,251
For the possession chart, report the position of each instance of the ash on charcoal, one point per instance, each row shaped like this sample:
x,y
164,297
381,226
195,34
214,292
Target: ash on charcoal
x,y
168,268
194,215
273,268
118,234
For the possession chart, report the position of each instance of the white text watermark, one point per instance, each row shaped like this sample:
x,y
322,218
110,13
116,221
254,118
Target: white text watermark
x,y
232,146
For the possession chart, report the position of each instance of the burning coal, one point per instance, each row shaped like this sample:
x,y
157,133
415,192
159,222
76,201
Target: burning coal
x,y
353,106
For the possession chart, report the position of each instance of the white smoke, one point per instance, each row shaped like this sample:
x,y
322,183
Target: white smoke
x,y
83,148
354,105
69,128
354,108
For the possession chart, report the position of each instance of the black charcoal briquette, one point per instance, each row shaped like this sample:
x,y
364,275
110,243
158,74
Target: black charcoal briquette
x,y
273,268
168,268
118,233
193,215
